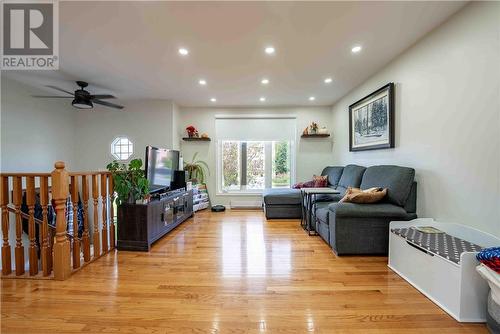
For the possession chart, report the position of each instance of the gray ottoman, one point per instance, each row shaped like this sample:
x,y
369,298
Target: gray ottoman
x,y
282,203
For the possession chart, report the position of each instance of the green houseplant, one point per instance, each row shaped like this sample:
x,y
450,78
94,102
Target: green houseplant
x,y
130,182
196,169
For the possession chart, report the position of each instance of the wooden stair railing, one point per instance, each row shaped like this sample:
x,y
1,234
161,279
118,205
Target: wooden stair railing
x,y
54,252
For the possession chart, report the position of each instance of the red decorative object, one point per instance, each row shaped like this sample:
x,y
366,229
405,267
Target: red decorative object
x,y
191,131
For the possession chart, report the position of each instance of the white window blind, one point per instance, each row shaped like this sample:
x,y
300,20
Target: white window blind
x,y
255,128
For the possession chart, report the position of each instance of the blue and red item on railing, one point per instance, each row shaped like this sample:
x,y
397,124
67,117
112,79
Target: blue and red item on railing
x,y
490,257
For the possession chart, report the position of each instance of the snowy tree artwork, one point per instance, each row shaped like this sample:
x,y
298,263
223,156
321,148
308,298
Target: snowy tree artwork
x,y
371,123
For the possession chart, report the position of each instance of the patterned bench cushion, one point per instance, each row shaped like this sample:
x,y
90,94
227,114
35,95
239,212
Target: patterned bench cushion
x,y
442,244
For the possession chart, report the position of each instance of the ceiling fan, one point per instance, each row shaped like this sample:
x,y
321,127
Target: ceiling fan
x,y
82,99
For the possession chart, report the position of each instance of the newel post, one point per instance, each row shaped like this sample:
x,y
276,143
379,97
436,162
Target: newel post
x,y
61,248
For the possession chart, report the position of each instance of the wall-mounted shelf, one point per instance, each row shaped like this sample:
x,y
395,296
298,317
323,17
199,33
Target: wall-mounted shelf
x,y
196,139
316,135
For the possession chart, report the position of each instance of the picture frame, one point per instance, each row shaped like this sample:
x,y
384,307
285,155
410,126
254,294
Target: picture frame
x,y
371,121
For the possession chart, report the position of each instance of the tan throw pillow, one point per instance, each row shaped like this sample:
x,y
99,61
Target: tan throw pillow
x,y
320,181
371,195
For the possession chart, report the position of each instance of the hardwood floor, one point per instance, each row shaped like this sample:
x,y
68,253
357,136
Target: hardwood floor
x,y
230,272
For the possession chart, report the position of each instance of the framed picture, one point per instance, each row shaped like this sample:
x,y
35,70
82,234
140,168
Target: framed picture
x,y
371,121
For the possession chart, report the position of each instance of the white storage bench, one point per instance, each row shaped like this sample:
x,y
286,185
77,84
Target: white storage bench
x,y
442,267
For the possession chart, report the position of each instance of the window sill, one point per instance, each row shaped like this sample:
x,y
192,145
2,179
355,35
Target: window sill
x,y
241,193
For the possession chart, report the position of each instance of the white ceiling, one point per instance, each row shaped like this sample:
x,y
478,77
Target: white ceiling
x,y
130,48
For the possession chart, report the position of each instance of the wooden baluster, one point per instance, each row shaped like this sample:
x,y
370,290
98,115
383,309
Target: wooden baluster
x,y
95,198
104,199
19,250
44,202
4,201
85,236
52,237
111,213
76,240
60,192
30,201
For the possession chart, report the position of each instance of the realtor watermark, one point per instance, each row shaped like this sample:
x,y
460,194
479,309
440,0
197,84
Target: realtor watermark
x,y
30,38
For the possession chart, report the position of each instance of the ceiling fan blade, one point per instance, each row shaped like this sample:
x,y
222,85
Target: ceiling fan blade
x,y
108,104
59,89
53,97
102,96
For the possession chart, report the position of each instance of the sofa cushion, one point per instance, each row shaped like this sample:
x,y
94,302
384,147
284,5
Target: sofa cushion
x,y
281,196
378,210
334,173
398,181
351,176
330,197
322,211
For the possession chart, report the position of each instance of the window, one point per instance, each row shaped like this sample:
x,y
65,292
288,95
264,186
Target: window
x,y
251,166
122,148
281,172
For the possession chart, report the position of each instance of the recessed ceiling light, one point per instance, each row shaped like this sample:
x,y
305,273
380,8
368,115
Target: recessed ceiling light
x,y
264,81
356,49
312,98
213,99
328,80
183,51
202,82
270,50
262,99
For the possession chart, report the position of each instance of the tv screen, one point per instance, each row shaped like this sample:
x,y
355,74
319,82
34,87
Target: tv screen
x,y
160,166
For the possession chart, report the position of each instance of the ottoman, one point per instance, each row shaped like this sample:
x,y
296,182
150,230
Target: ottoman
x,y
282,203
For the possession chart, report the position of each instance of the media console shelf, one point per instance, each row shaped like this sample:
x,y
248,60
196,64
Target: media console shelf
x,y
140,225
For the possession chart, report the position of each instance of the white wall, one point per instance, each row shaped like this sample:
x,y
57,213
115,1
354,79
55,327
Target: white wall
x,y
447,118
176,134
34,132
144,122
312,155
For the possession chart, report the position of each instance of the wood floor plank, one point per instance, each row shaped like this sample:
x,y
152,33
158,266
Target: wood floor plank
x,y
231,272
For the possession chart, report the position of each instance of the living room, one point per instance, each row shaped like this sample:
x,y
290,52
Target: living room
x,y
253,101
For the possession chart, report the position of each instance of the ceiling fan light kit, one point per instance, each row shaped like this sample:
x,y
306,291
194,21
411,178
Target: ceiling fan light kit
x,y
82,103
82,99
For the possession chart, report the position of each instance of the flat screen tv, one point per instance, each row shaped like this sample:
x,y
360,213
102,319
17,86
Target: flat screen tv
x,y
160,166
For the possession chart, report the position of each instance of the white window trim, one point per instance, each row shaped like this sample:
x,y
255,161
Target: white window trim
x,y
110,146
218,164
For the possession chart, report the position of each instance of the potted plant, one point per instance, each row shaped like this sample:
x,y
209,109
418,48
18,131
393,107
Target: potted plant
x,y
313,128
130,183
196,169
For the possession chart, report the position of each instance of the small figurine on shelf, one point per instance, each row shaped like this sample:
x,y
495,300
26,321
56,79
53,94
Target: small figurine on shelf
x,y
204,135
313,128
306,131
192,132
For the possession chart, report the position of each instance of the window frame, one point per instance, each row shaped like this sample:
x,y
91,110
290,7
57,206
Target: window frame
x,y
267,167
111,147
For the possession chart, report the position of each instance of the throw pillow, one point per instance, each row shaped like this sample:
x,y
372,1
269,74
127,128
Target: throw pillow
x,y
320,181
371,195
300,185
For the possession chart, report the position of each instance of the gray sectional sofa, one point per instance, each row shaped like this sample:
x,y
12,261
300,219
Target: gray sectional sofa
x,y
351,228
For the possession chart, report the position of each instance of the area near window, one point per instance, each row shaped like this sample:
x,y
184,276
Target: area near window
x,y
256,158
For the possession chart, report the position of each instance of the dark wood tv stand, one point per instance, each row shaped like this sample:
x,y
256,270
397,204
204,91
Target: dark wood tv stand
x,y
140,225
